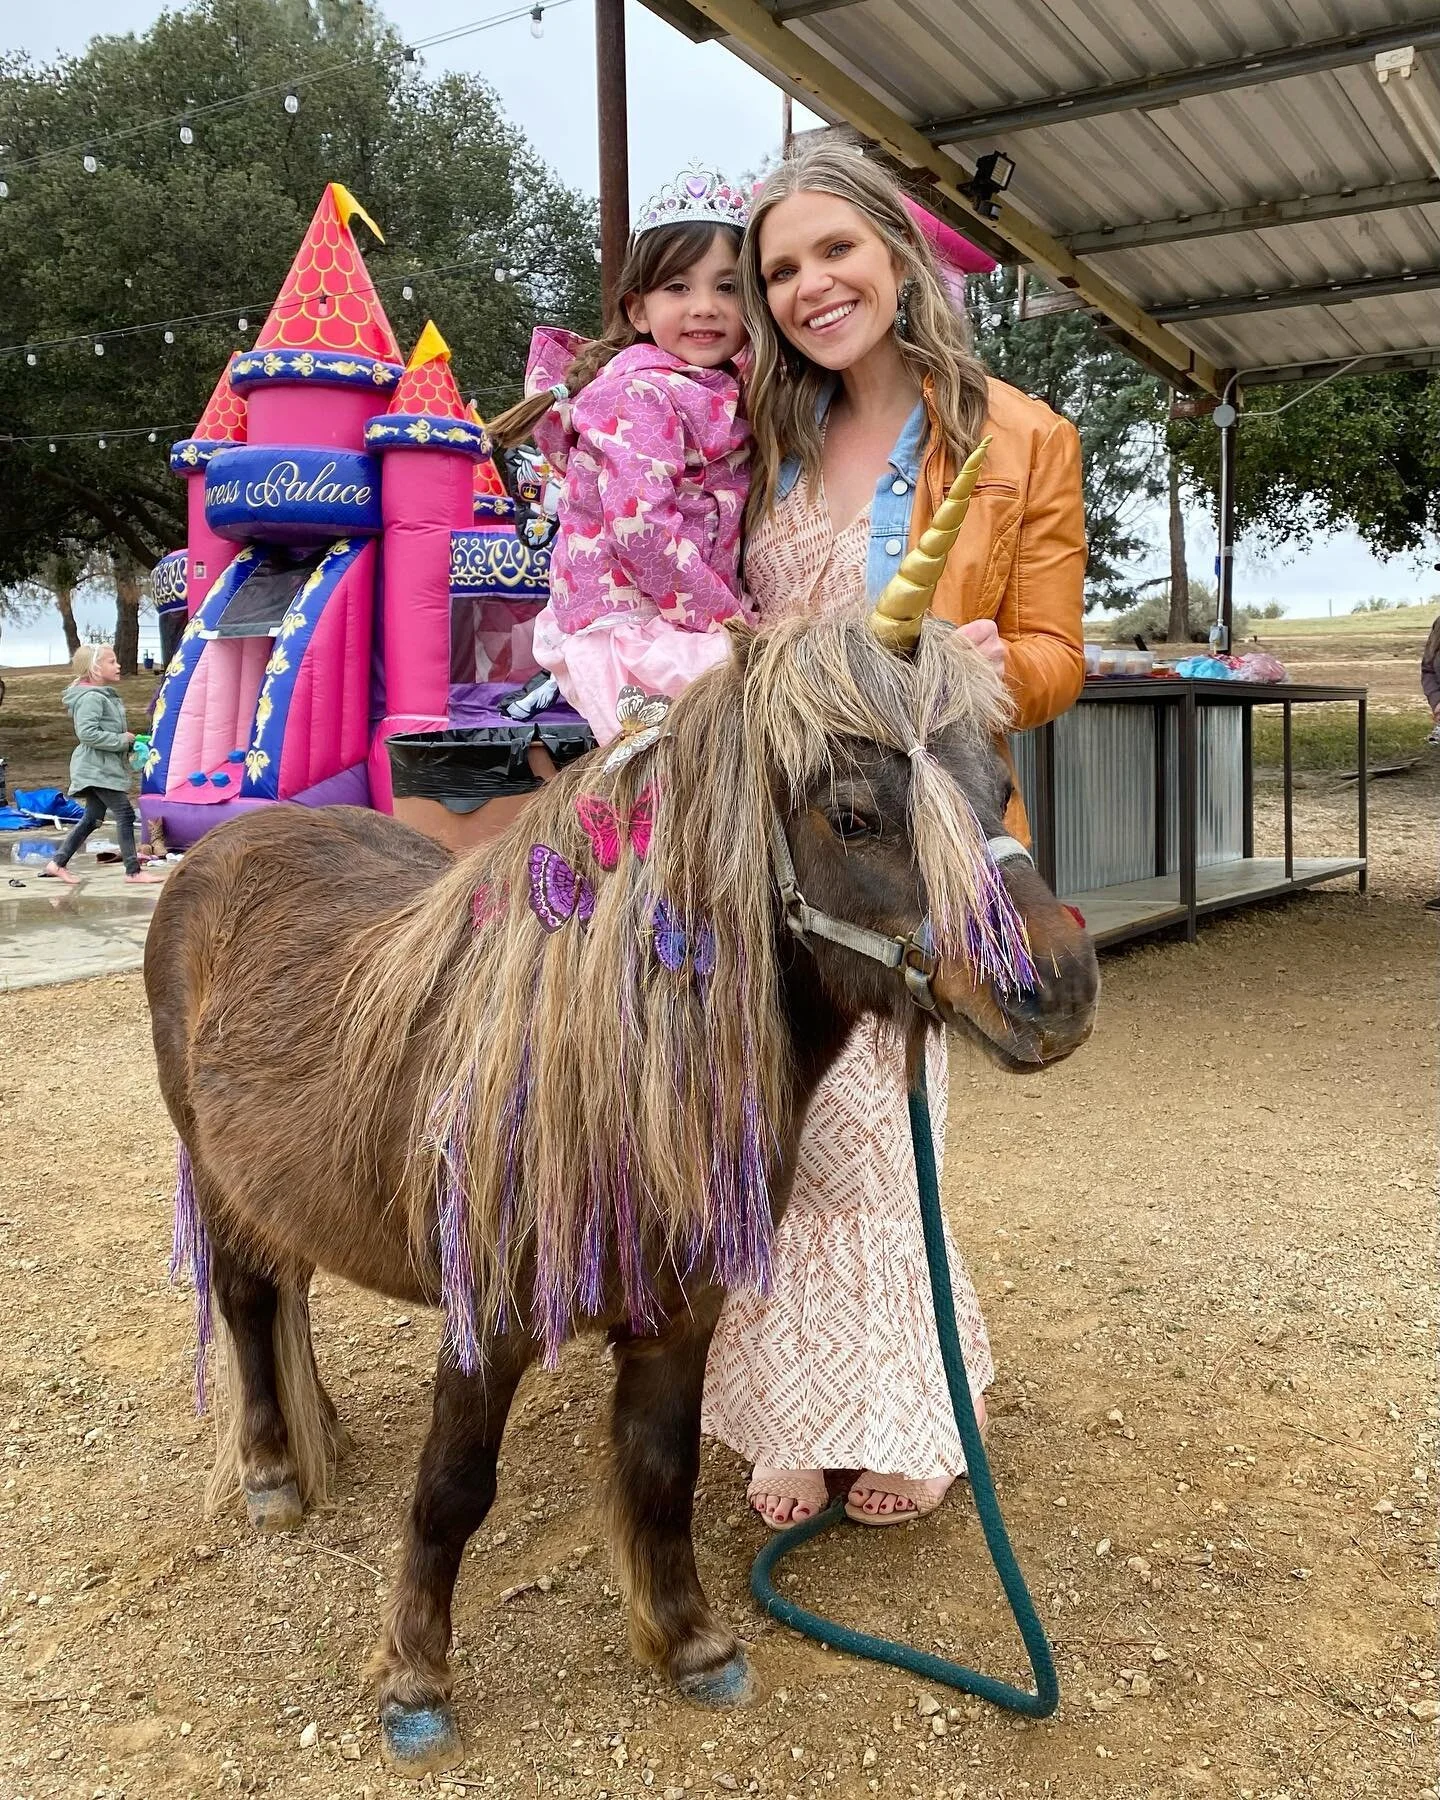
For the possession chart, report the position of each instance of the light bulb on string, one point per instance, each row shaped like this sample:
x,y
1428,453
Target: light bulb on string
x,y
99,349
101,442
502,274
292,104
599,254
537,21
52,449
407,292
151,438
31,358
89,163
187,136
169,336
242,323
4,190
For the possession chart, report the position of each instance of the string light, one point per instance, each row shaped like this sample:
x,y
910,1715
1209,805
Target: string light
x,y
99,349
167,326
242,323
187,136
537,21
31,358
153,433
101,443
501,275
409,53
4,190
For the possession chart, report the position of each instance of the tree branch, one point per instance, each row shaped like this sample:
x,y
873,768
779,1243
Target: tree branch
x,y
99,510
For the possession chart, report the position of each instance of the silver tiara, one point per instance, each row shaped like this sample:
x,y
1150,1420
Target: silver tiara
x,y
697,196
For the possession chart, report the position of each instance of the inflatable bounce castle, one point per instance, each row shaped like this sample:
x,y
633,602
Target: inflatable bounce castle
x,y
353,571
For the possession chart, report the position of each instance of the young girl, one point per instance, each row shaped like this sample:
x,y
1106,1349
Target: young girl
x,y
99,763
645,429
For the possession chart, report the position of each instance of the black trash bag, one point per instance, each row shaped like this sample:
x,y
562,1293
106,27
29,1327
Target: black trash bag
x,y
469,766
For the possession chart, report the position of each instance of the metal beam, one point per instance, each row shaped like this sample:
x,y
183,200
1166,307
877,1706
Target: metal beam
x,y
1187,84
1304,209
1382,362
809,71
1330,293
785,10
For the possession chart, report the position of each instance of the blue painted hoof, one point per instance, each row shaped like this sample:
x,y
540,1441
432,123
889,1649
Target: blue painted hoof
x,y
732,1684
274,1509
419,1740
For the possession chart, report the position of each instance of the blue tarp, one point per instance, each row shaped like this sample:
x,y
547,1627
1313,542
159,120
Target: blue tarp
x,y
45,803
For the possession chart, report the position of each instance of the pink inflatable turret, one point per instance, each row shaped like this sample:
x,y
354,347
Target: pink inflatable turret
x,y
429,448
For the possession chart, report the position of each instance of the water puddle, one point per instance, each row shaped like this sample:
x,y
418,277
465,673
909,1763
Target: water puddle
x,y
48,936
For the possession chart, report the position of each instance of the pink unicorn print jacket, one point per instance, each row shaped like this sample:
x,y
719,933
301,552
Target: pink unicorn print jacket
x,y
654,458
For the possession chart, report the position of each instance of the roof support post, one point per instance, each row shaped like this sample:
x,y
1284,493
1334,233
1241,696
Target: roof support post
x,y
1225,572
614,148
839,94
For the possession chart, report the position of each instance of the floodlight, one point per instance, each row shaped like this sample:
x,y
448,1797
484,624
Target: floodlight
x,y
1410,87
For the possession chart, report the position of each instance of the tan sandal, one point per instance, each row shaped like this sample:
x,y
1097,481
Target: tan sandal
x,y
924,1496
802,1487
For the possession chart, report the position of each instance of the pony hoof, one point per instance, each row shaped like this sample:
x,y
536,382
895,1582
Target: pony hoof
x,y
419,1740
274,1509
732,1684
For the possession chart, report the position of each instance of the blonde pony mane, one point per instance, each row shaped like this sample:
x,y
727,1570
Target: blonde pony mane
x,y
580,1104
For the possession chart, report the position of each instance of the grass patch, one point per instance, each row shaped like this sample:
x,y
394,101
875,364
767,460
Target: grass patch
x,y
1323,737
1399,621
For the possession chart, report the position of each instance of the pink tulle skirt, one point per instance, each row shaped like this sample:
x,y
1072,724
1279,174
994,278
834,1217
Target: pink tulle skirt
x,y
623,650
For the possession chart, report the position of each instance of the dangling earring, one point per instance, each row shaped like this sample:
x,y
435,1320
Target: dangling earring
x,y
902,311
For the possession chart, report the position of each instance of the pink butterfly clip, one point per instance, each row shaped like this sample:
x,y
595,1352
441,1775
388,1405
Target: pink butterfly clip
x,y
557,893
602,825
642,722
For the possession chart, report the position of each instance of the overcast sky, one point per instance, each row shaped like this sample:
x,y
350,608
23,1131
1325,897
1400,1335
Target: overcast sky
x,y
696,100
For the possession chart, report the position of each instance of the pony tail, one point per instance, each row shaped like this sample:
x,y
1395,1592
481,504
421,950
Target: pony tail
x,y
515,425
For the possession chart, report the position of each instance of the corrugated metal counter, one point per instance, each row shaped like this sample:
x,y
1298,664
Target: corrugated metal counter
x,y
1141,801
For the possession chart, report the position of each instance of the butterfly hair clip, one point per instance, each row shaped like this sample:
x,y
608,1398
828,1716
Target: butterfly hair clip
x,y
642,723
607,831
676,943
557,893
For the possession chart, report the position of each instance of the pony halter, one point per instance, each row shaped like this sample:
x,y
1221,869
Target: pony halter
x,y
911,954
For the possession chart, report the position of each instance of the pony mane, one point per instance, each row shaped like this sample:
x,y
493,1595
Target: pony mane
x,y
590,1096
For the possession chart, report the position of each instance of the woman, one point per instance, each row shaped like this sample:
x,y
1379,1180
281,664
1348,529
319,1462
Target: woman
x,y
864,402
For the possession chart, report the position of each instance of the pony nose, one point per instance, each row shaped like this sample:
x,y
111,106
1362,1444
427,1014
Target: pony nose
x,y
1060,1010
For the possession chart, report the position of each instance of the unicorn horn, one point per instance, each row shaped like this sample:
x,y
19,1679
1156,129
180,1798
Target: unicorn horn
x,y
901,608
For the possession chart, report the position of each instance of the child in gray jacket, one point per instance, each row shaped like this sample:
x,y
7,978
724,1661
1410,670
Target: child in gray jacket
x,y
100,762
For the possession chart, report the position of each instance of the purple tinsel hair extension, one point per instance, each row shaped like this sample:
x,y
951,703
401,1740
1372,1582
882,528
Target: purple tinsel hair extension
x,y
190,1245
554,1302
639,1304
457,1269
516,1106
592,1251
997,944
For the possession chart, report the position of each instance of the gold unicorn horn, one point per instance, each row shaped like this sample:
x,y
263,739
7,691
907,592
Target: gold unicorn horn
x,y
900,609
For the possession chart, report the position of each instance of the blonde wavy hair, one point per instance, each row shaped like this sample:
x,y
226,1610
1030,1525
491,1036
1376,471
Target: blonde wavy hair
x,y
785,387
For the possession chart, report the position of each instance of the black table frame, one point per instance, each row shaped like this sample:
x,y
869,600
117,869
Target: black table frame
x,y
1189,697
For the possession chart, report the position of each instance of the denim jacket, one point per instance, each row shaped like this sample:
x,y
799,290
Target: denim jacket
x,y
893,501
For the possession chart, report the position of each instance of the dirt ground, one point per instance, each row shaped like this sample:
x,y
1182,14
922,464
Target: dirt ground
x,y
1204,1248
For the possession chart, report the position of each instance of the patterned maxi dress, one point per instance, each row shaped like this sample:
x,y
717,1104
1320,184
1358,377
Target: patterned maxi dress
x,y
840,1368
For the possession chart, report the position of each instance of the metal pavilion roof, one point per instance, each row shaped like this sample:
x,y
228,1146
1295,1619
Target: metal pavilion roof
x,y
1225,181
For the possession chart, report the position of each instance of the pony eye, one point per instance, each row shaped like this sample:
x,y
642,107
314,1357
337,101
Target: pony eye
x,y
848,824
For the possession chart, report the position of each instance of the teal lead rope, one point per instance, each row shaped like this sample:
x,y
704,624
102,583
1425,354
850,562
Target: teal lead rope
x,y
1046,1697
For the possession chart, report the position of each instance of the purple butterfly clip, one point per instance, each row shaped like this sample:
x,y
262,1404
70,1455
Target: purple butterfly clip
x,y
557,893
674,943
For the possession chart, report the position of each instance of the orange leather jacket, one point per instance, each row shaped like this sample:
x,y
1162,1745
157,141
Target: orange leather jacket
x,y
1020,555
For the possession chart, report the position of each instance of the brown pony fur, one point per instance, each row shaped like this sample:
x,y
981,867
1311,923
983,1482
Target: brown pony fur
x,y
608,1035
